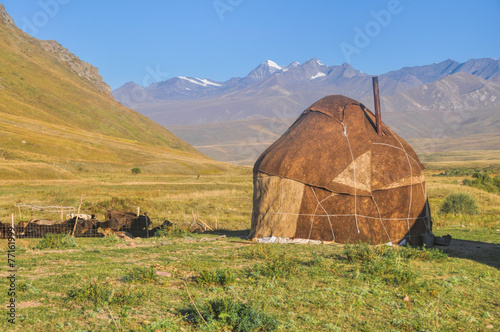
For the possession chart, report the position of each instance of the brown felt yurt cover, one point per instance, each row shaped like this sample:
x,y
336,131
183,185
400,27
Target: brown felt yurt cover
x,y
331,177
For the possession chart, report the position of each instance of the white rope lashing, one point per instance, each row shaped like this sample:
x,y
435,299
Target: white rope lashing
x,y
329,221
354,175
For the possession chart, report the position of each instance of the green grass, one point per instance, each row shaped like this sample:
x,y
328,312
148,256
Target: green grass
x,y
56,241
108,281
100,293
146,274
330,287
172,232
228,315
175,198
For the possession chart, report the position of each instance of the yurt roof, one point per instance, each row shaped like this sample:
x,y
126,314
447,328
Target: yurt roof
x,y
334,145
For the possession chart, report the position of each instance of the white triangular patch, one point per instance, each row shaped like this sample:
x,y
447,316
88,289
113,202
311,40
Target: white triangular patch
x,y
362,168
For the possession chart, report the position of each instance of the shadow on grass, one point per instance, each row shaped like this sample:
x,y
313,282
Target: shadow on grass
x,y
481,252
241,234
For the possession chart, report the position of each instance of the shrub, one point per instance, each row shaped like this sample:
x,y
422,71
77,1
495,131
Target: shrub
x,y
279,267
388,271
56,241
111,239
391,265
141,275
364,253
459,203
358,252
220,277
136,170
260,251
482,180
101,293
229,315
165,324
172,232
457,172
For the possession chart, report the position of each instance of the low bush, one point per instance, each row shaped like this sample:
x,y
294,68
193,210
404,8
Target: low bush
x,y
111,239
483,181
101,293
228,315
457,172
388,272
56,241
220,277
280,266
362,252
141,275
459,203
166,324
358,252
259,251
388,264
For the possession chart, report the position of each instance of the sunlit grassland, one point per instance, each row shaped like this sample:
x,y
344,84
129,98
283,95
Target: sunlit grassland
x,y
98,286
225,197
105,284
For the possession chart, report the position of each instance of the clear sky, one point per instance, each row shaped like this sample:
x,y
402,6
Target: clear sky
x,y
151,40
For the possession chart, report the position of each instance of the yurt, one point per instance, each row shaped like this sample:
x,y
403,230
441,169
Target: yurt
x,y
332,177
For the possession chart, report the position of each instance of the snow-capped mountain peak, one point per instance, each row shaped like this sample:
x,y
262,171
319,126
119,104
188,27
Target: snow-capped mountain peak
x,y
272,64
265,69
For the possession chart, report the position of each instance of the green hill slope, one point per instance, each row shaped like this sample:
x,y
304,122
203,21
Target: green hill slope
x,y
57,118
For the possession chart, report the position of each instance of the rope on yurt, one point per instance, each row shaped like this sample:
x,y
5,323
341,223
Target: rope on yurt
x,y
380,218
312,221
337,215
411,181
281,198
329,221
427,218
354,175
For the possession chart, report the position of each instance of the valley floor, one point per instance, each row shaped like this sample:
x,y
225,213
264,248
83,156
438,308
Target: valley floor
x,y
168,283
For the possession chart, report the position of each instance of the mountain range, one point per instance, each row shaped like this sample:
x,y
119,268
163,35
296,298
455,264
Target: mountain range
x,y
445,100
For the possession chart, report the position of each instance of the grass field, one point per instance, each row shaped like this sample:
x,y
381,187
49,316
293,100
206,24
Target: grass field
x,y
160,284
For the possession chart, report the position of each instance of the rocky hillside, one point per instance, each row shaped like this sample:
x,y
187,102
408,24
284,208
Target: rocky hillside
x,y
57,116
81,68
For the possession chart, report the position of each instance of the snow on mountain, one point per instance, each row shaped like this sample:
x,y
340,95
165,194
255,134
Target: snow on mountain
x,y
448,97
273,64
304,83
202,82
318,75
264,70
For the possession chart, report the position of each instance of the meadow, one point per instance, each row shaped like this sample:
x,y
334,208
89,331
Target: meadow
x,y
218,281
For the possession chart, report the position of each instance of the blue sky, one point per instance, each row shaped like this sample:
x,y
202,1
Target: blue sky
x,y
147,41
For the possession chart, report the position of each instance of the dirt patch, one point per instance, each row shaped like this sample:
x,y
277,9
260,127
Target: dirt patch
x,y
29,304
